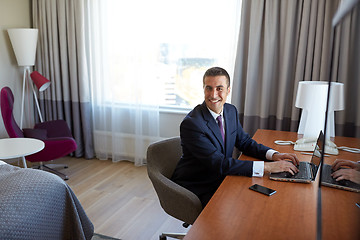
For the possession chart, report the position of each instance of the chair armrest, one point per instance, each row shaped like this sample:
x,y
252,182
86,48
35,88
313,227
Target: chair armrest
x,y
56,128
35,133
176,200
54,148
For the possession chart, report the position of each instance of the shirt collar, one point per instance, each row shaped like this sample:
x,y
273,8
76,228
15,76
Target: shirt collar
x,y
214,114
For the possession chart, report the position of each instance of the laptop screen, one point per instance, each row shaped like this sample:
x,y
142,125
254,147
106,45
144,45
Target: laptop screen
x,y
316,157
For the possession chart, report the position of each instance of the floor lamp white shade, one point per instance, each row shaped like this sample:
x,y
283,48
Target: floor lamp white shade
x,y
24,41
312,98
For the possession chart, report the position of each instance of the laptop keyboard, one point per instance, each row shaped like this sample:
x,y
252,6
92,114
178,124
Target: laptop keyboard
x,y
304,171
326,177
326,174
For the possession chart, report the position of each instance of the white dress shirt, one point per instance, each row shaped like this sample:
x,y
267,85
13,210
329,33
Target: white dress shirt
x,y
258,166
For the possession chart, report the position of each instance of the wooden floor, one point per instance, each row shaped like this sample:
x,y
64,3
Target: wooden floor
x,y
119,199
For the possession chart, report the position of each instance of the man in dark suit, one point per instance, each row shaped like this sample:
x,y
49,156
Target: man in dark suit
x,y
208,142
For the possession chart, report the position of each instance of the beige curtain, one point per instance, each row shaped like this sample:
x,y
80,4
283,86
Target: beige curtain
x,y
282,43
346,69
61,57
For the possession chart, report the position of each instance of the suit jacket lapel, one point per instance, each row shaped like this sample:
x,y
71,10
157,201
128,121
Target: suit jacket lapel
x,y
212,125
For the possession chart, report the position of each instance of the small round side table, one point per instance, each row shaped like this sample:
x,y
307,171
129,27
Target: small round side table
x,y
19,147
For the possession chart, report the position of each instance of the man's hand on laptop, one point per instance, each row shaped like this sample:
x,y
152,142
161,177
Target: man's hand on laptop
x,y
280,166
286,156
345,163
351,172
348,174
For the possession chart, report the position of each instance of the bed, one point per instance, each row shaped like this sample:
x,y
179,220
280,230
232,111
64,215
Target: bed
x,y
35,204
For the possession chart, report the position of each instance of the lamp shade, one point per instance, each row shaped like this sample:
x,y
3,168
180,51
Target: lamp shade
x,y
40,81
311,93
23,41
312,98
336,102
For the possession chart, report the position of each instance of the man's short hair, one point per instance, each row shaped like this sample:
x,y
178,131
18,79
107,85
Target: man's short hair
x,y
217,71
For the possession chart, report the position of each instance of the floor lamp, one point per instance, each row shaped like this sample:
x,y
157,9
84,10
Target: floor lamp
x,y
24,41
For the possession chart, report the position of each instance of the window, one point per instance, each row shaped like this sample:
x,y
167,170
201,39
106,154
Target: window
x,y
165,46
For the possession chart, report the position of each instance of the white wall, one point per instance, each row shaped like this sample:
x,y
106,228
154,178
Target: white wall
x,y
170,124
13,14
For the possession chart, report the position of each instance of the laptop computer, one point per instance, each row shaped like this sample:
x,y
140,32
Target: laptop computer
x,y
328,181
307,170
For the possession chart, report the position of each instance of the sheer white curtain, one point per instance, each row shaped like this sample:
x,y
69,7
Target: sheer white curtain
x,y
125,92
146,54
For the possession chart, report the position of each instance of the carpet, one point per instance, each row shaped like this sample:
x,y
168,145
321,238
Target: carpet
x,y
98,236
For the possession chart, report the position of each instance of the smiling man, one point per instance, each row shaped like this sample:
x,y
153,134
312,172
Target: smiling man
x,y
209,134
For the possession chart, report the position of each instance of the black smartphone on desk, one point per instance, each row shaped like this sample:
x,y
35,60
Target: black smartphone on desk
x,y
262,189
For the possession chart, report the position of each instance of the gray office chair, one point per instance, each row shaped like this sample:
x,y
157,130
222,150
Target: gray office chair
x,y
162,158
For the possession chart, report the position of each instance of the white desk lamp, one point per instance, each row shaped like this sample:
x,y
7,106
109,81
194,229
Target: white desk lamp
x,y
312,98
24,41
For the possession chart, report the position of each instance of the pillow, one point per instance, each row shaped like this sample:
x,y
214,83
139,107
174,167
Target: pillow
x,y
35,133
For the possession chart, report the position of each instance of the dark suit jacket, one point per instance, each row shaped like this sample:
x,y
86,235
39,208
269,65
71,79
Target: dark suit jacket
x,y
206,160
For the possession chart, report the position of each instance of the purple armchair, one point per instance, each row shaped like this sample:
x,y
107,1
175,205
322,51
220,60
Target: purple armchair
x,y
55,134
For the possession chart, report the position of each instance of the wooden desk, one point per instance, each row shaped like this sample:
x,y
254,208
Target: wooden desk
x,y
235,212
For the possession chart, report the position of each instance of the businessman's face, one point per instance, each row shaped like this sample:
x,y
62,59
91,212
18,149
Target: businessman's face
x,y
216,91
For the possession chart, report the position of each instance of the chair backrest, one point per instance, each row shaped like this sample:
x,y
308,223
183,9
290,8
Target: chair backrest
x,y
177,201
7,105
